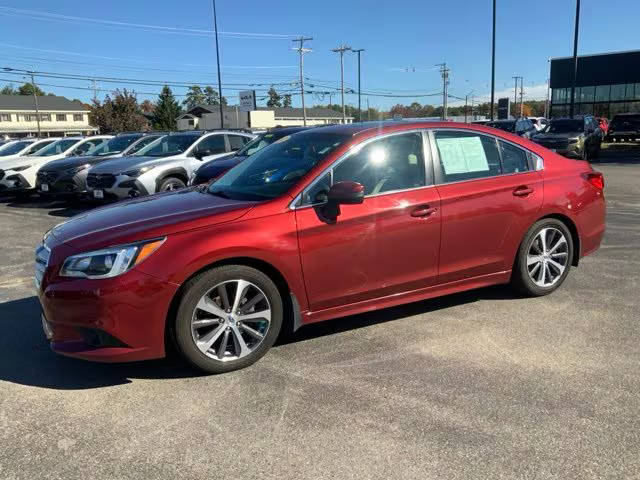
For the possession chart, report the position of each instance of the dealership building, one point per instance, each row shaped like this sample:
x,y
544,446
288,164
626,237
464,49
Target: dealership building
x,y
606,84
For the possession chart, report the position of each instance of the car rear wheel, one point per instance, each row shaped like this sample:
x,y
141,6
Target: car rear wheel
x,y
171,183
544,258
228,318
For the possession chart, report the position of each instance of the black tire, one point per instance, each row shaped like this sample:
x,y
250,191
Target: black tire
x,y
520,279
171,183
196,288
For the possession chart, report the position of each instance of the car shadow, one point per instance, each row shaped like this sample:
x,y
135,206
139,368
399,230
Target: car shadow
x,y
57,207
26,359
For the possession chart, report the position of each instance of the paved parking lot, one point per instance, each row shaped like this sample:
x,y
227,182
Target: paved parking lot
x,y
477,385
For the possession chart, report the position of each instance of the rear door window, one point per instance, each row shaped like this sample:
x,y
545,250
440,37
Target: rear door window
x,y
514,159
466,156
236,142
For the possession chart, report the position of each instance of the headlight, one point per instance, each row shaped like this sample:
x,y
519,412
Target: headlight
x,y
19,169
138,171
109,262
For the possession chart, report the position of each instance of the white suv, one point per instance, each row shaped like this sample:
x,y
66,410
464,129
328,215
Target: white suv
x,y
18,174
23,147
165,164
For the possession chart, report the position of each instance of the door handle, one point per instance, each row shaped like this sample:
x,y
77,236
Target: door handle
x,y
522,191
423,211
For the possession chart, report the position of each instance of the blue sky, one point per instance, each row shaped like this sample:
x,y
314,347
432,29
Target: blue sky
x,y
96,39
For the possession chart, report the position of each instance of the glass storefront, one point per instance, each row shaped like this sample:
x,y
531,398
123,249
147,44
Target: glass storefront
x,y
600,100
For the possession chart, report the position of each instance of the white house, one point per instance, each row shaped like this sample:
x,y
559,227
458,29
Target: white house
x,y
204,117
59,116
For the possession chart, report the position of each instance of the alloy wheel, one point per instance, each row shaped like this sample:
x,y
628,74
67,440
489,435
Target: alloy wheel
x,y
231,320
547,257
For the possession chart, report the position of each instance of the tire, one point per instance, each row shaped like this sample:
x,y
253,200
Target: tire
x,y
205,287
171,183
521,278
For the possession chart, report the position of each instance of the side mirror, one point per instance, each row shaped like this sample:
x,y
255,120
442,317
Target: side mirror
x,y
341,193
200,154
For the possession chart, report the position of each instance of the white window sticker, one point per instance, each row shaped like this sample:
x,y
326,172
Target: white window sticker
x,y
462,155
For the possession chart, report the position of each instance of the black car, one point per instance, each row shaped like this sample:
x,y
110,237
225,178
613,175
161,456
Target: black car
x,y
522,127
215,168
624,127
67,176
578,137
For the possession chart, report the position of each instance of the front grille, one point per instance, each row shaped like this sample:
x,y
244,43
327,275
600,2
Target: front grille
x,y
101,180
46,177
42,261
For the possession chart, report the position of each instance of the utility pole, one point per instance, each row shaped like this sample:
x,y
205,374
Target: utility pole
x,y
94,87
515,96
493,59
358,51
466,104
35,100
444,71
341,49
215,25
521,95
575,61
301,50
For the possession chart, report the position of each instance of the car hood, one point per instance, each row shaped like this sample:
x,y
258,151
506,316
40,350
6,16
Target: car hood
x,y
71,162
221,164
556,136
148,217
9,163
122,164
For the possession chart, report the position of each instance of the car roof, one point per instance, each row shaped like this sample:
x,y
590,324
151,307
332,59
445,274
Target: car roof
x,y
286,130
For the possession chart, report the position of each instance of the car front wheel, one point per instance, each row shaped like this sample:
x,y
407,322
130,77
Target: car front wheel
x,y
544,258
169,184
228,318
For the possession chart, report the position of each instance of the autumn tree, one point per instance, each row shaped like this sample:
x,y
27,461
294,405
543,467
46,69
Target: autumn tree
x,y
147,106
118,114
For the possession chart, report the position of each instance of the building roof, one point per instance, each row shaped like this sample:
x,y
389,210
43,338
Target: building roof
x,y
45,102
279,112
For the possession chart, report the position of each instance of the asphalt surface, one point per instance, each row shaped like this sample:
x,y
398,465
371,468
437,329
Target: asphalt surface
x,y
476,385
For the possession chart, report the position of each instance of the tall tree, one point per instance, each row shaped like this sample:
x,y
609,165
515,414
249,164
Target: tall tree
x,y
167,111
212,97
195,96
118,114
286,101
274,98
27,89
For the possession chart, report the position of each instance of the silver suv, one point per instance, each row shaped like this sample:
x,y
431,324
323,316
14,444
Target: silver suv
x,y
163,165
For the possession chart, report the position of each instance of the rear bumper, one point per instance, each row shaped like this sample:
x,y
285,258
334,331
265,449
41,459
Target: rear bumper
x,y
111,320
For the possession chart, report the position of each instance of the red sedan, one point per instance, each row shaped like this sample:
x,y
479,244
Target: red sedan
x,y
324,223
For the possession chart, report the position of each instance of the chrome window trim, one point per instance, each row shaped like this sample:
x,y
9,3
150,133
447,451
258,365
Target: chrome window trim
x,y
426,154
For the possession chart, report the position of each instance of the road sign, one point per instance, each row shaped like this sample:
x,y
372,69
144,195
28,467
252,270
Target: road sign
x,y
247,100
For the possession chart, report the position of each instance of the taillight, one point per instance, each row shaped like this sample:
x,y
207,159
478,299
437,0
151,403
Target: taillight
x,y
595,178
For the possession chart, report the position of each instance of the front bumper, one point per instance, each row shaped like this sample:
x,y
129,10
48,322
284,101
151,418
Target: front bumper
x,y
70,184
118,319
122,188
14,182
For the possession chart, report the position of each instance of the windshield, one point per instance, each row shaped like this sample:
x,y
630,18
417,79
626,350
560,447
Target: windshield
x,y
258,144
14,148
277,167
140,144
169,145
113,146
57,147
565,126
506,126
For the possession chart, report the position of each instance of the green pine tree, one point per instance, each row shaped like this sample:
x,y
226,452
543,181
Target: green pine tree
x,y
167,111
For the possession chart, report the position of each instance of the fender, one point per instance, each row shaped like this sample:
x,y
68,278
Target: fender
x,y
172,172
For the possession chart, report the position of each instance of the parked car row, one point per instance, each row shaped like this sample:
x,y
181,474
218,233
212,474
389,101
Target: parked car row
x,y
106,167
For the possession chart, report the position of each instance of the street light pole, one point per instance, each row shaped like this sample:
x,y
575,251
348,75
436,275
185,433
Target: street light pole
x,y
358,51
575,61
493,60
215,25
341,49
